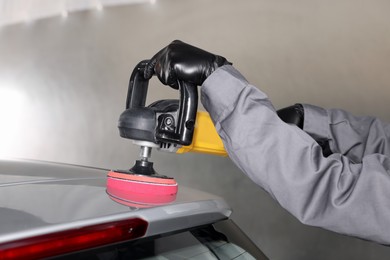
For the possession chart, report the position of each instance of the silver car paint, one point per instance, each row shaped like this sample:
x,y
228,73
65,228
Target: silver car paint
x,y
39,198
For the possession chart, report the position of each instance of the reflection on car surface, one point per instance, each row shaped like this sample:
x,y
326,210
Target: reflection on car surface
x,y
53,210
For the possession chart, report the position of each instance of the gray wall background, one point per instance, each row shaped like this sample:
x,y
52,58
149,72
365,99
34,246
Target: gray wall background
x,y
69,76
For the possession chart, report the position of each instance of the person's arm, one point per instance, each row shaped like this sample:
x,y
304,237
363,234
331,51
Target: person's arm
x,y
352,136
330,192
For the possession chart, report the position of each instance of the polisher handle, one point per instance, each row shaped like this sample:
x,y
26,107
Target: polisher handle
x,y
138,87
188,105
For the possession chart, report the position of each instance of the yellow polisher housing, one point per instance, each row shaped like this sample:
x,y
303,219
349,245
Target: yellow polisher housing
x,y
206,138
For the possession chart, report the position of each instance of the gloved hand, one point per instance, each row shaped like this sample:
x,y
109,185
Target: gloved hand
x,y
296,115
183,62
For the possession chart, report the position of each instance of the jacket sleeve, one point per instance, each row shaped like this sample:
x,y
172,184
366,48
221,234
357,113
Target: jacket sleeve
x,y
352,136
330,192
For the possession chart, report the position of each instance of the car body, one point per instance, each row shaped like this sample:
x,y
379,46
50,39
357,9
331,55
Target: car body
x,y
51,210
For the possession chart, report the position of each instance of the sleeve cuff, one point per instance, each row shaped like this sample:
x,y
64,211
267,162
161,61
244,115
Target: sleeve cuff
x,y
220,90
316,122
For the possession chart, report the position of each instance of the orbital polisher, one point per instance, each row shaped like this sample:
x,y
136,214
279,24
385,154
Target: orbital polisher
x,y
172,125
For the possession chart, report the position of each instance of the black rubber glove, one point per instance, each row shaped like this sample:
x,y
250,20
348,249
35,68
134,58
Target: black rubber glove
x,y
180,61
292,115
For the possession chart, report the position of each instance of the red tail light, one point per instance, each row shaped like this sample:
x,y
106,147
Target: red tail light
x,y
73,240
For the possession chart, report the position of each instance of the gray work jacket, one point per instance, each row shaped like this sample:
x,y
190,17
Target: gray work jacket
x,y
347,192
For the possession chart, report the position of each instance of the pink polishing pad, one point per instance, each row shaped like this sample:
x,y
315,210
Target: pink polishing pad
x,y
140,190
